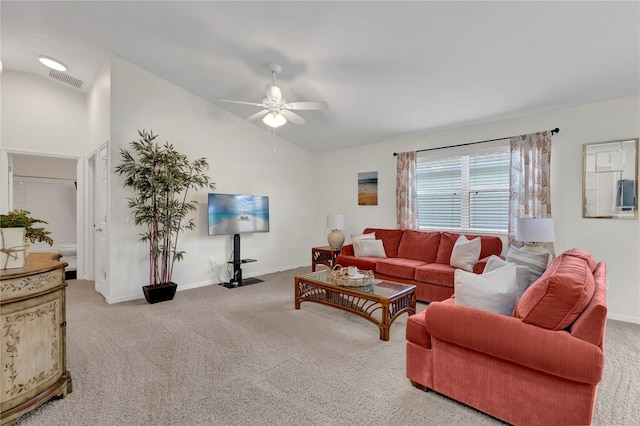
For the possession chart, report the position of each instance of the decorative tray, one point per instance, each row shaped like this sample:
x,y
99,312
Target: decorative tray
x,y
340,277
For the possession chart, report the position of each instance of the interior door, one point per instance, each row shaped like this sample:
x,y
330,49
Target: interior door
x,y
101,220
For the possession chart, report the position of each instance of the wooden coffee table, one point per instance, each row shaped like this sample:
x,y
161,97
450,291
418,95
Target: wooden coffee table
x,y
381,302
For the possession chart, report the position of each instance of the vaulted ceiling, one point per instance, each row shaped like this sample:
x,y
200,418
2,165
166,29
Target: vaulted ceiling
x,y
385,69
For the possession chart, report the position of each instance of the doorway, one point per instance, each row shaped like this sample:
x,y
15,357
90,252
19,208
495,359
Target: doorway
x,y
47,187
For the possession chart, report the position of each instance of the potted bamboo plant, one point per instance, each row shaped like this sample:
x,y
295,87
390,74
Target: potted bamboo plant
x,y
16,231
161,178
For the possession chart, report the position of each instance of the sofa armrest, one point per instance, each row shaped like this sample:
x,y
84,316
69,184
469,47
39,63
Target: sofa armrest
x,y
478,268
554,352
347,250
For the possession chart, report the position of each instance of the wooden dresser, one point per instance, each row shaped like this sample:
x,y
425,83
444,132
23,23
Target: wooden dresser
x,y
33,321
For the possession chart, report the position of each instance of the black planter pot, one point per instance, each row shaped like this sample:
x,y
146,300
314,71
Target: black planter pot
x,y
160,292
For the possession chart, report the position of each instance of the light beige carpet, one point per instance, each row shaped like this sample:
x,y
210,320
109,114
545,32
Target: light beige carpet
x,y
245,356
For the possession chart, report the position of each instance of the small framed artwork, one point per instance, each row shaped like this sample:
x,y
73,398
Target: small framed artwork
x,y
368,189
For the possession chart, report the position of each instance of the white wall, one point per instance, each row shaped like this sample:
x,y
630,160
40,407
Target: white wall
x,y
99,108
617,242
241,160
42,116
44,167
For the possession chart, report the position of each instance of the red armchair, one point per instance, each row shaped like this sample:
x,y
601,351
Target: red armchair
x,y
509,367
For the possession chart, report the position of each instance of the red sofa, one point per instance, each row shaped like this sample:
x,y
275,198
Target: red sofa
x,y
539,366
420,258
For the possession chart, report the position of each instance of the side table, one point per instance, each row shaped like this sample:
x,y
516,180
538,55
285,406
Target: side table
x,y
324,255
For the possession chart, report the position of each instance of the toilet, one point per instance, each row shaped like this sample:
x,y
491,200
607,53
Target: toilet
x,y
67,250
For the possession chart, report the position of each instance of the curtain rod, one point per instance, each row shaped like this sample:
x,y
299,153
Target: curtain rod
x,y
556,130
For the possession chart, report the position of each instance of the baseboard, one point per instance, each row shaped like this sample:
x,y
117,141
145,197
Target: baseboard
x,y
125,298
624,318
181,287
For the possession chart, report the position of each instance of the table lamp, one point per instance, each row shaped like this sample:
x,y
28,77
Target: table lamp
x,y
534,232
335,222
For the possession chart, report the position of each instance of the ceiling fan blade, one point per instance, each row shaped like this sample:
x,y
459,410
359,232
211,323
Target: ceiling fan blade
x,y
257,115
242,102
292,117
306,105
273,93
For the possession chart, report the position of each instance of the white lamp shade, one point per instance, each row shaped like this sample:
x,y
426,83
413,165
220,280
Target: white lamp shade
x,y
336,221
539,230
274,119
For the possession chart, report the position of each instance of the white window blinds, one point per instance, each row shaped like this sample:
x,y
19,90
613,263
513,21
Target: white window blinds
x,y
464,192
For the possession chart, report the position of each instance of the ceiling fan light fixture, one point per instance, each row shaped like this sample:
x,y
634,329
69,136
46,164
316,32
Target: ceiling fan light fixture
x,y
274,119
52,63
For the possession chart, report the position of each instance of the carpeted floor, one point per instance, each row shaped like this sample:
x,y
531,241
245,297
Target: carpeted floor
x,y
245,356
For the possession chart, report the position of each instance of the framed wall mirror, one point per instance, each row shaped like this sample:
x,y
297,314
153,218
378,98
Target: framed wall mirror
x,y
610,180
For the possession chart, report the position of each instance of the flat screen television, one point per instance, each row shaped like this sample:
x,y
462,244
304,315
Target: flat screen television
x,y
626,195
230,214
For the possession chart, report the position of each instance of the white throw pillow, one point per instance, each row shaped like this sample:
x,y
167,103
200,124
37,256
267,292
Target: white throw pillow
x,y
465,253
368,248
536,262
494,291
369,236
522,273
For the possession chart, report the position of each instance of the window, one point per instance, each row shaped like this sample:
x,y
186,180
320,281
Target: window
x,y
464,192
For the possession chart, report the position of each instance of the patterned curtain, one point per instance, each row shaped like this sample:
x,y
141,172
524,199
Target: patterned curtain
x,y
529,194
406,191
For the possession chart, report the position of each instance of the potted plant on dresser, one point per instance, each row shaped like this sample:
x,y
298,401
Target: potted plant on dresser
x,y
16,231
161,178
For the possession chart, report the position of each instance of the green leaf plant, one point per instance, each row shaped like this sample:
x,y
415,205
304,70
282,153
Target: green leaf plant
x,y
22,219
161,178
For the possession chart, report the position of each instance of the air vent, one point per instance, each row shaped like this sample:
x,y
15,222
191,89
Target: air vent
x,y
66,78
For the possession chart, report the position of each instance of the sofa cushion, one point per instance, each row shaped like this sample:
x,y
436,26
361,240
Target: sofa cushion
x,y
419,245
368,248
522,273
559,296
436,273
369,236
585,255
465,253
447,241
416,331
390,238
493,291
536,262
398,267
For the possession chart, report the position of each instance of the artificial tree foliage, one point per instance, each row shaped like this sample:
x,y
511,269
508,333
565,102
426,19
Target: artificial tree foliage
x,y
21,219
161,178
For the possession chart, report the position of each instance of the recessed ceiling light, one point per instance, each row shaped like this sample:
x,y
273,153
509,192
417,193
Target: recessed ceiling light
x,y
52,63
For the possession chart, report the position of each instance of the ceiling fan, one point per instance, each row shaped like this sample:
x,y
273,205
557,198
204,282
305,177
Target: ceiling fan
x,y
277,111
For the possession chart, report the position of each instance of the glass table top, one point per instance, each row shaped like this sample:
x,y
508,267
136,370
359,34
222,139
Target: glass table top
x,y
378,287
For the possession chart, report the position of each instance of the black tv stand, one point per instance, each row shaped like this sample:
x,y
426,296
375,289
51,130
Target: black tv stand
x,y
237,262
